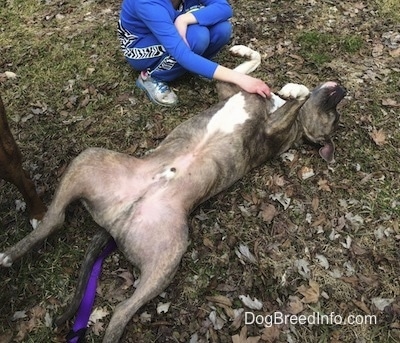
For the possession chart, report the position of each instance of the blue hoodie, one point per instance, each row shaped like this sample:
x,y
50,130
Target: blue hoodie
x,y
143,17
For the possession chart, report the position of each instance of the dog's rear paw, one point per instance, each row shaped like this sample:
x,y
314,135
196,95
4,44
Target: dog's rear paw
x,y
5,260
245,51
294,91
34,223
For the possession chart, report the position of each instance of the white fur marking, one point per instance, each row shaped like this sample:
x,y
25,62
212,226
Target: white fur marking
x,y
294,91
278,102
34,223
232,114
5,260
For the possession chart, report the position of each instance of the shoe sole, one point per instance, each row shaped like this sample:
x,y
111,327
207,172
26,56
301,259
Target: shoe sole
x,y
153,100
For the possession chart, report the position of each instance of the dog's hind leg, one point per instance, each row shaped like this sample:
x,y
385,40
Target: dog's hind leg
x,y
162,255
226,90
254,58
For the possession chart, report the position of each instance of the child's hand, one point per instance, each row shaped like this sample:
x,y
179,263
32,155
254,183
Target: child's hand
x,y
253,85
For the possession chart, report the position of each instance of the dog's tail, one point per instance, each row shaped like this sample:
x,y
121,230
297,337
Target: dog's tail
x,y
98,242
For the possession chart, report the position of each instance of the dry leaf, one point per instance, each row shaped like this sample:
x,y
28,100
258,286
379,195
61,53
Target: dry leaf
x,y
323,261
268,213
315,204
352,280
145,317
163,307
302,267
244,254
358,250
311,294
129,280
381,303
323,185
220,299
253,304
216,320
18,315
361,305
242,337
98,314
278,180
6,337
271,333
237,318
378,136
377,49
295,305
10,75
282,199
24,328
390,103
395,53
306,172
208,243
98,328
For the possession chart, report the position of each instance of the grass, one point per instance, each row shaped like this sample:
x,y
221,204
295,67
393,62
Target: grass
x,y
321,48
390,8
68,63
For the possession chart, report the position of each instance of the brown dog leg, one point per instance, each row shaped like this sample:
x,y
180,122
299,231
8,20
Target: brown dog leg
x,y
11,170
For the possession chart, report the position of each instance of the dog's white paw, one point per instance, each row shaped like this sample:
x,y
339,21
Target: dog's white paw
x,y
5,260
245,51
294,91
34,223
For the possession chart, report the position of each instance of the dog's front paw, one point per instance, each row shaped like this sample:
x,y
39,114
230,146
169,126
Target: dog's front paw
x,y
245,51
294,91
5,260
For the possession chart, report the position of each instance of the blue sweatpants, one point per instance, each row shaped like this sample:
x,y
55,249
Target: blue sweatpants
x,y
204,41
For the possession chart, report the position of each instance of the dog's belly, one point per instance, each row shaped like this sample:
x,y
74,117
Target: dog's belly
x,y
155,191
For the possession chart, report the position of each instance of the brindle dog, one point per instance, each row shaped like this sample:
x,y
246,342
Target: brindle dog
x,y
144,204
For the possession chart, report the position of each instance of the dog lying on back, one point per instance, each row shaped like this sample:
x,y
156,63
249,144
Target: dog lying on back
x,y
11,170
144,204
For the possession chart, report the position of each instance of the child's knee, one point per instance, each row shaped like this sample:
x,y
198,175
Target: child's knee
x,y
221,33
198,38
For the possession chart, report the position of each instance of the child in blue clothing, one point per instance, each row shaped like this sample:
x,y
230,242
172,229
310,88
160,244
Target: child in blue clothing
x,y
163,39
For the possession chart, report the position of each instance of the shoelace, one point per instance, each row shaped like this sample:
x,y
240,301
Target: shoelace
x,y
161,86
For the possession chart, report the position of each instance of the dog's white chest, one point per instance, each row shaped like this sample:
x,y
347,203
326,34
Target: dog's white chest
x,y
232,114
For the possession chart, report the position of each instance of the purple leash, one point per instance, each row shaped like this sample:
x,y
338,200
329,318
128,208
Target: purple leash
x,y
77,334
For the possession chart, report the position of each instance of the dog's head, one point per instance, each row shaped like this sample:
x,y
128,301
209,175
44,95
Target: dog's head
x,y
319,117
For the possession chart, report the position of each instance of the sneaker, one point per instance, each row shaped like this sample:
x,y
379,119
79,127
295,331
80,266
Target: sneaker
x,y
158,91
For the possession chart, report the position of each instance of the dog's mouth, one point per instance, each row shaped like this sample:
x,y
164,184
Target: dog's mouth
x,y
327,151
329,94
